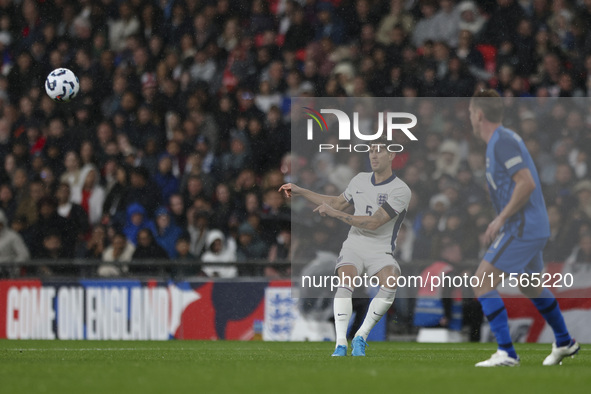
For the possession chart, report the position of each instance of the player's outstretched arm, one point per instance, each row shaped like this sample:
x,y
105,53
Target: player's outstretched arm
x,y
524,187
336,202
373,222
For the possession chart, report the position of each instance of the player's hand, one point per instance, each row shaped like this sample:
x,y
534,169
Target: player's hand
x,y
324,209
493,229
290,189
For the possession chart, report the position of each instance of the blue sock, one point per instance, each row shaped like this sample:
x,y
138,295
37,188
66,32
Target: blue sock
x,y
548,307
494,310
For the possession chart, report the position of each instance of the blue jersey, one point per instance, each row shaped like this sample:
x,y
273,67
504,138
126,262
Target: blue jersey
x,y
505,155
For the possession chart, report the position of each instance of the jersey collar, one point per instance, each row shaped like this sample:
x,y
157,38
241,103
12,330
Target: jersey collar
x,y
373,179
497,131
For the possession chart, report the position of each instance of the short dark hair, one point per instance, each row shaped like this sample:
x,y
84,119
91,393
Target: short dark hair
x,y
382,139
491,104
47,200
119,234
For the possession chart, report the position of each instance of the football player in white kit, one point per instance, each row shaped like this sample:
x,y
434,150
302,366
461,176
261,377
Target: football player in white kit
x,y
381,201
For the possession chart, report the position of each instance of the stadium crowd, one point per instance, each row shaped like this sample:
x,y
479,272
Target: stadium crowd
x,y
180,136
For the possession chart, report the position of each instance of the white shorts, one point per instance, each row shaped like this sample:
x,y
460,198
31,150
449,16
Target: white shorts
x,y
368,262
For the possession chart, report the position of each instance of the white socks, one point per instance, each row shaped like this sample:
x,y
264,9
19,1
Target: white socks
x,y
343,308
377,308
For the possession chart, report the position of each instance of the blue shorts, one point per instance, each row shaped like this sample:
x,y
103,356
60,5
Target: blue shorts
x,y
513,255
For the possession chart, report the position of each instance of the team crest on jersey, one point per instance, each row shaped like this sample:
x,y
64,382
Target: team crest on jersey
x,y
382,198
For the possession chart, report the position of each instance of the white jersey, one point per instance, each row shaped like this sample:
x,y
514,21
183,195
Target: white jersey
x,y
367,196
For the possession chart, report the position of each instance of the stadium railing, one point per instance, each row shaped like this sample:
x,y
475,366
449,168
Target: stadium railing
x,y
167,268
162,268
144,268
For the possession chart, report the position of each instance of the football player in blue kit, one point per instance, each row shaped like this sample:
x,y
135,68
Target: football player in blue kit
x,y
517,234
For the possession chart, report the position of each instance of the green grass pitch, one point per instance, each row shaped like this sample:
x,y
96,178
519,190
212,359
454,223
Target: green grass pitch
x,y
272,367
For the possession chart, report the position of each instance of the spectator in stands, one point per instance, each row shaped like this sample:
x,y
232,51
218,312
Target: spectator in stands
x,y
524,48
184,256
136,220
123,27
470,18
245,183
447,21
223,208
50,221
427,238
299,33
503,22
115,204
219,250
558,246
560,191
274,213
143,191
121,251
194,190
198,228
52,248
397,16
426,27
148,249
167,183
582,252
280,250
165,232
458,81
12,247
72,173
5,140
22,75
27,203
7,202
97,243
237,158
440,205
250,246
90,194
328,24
74,213
582,191
176,207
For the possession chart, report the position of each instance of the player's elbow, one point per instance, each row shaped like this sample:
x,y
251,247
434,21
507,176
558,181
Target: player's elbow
x,y
530,185
525,181
373,225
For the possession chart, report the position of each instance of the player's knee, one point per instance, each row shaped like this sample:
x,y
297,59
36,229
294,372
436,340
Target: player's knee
x,y
386,294
390,282
479,291
530,291
388,277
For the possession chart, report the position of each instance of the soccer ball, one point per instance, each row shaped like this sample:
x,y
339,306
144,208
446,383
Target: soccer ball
x,y
62,85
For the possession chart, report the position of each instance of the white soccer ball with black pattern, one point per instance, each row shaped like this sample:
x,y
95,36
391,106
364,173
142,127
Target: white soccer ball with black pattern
x,y
62,85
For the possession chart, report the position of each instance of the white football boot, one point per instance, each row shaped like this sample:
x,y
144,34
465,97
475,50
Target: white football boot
x,y
558,353
499,359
